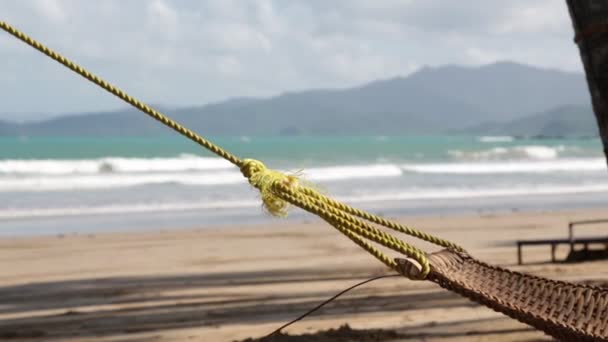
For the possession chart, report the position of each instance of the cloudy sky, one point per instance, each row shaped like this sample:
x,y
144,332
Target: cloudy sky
x,y
186,52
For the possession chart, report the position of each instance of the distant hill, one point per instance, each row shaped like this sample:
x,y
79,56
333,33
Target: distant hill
x,y
568,120
506,90
6,128
430,101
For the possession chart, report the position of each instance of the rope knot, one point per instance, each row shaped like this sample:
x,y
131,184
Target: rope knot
x,y
250,167
266,181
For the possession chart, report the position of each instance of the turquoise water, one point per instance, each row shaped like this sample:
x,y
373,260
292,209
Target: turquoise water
x,y
283,150
61,185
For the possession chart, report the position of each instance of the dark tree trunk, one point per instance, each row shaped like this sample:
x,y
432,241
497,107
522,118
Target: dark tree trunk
x,y
590,21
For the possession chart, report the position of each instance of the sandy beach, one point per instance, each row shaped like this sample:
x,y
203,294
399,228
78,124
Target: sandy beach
x,y
233,283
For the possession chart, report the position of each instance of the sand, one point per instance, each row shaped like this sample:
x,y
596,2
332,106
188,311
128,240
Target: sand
x,y
234,283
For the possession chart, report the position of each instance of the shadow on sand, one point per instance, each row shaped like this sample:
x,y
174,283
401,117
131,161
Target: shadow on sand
x,y
88,308
346,334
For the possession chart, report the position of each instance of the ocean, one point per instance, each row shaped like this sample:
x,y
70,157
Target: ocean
x,y
88,185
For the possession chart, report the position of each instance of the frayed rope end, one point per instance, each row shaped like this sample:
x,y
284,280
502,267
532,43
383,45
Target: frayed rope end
x,y
264,180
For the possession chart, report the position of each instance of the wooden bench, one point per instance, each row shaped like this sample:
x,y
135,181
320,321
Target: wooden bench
x,y
571,240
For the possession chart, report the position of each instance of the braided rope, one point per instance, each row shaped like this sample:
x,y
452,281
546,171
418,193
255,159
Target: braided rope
x,y
121,94
278,190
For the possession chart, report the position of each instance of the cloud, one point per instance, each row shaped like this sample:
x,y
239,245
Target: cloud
x,y
185,52
163,19
537,17
481,56
50,9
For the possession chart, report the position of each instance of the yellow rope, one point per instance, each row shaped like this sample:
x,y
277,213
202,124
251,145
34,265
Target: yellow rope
x,y
278,190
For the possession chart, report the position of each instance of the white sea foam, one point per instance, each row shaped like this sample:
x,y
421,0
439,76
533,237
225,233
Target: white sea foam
x,y
352,172
109,181
184,162
531,152
503,167
208,176
123,209
494,139
240,203
456,193
83,181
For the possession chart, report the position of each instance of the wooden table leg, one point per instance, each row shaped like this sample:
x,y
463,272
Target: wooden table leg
x,y
519,260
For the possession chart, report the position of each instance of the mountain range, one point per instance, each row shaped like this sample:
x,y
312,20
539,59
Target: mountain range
x,y
499,98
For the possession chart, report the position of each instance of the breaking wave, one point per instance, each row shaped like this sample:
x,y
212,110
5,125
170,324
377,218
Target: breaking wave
x,y
185,162
531,152
504,167
495,139
51,180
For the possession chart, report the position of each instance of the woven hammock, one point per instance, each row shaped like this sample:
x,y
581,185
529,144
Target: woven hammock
x,y
565,311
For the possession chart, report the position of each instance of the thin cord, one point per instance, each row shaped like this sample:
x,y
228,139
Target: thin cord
x,y
309,312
